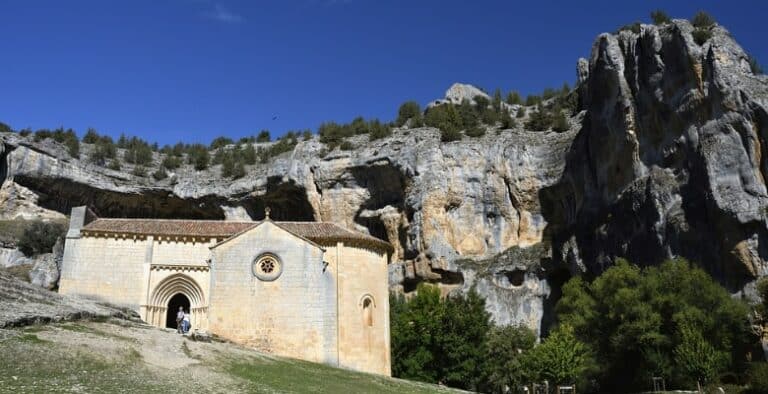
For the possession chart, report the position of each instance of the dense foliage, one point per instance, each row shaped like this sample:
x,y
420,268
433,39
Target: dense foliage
x,y
660,17
67,137
40,237
671,321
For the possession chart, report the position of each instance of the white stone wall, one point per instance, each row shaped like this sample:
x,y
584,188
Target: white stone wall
x,y
108,268
294,315
362,273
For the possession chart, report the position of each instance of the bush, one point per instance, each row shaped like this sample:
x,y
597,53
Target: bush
x,y
40,237
378,130
198,156
137,151
560,122
476,131
506,120
332,133
758,378
450,135
482,102
67,138
306,135
703,20
446,118
139,170
264,136
114,165
103,150
408,110
469,117
513,97
700,36
532,100
4,128
660,17
91,136
248,154
171,162
754,65
496,101
346,145
220,142
160,174
539,120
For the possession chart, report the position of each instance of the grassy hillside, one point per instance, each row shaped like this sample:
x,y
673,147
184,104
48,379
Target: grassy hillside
x,y
121,357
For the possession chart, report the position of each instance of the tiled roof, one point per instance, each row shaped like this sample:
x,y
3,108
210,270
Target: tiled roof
x,y
318,232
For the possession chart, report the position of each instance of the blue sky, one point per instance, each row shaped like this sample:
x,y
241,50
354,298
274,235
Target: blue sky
x,y
191,70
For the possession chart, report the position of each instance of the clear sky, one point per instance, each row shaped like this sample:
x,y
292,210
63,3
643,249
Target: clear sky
x,y
170,70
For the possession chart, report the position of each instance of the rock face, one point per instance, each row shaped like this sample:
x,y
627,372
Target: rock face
x,y
665,158
669,160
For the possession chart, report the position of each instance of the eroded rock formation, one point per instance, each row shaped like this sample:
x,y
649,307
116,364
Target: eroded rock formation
x,y
665,158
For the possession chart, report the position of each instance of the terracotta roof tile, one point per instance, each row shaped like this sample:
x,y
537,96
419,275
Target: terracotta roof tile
x,y
319,232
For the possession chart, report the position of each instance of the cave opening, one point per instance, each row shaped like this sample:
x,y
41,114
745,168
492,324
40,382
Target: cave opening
x,y
287,202
515,277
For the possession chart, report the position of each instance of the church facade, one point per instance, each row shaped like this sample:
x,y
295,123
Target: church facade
x,y
307,290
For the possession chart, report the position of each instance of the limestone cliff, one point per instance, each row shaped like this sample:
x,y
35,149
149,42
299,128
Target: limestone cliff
x,y
665,158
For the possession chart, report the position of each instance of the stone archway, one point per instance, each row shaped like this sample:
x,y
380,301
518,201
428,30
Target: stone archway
x,y
173,286
176,302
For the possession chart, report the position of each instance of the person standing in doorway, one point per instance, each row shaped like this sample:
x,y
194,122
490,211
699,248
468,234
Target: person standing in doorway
x,y
179,320
187,324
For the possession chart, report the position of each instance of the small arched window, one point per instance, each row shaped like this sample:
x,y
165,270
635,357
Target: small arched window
x,y
368,311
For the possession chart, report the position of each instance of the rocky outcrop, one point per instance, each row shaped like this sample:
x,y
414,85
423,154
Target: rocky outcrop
x,y
665,158
669,160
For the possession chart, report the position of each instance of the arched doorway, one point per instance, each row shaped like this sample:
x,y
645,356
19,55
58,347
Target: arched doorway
x,y
174,291
178,300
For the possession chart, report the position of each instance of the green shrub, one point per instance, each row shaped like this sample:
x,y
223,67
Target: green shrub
x,y
40,237
703,20
559,121
114,165
407,110
539,120
660,17
160,174
171,162
560,359
332,133
264,136
496,100
197,155
137,151
754,65
220,142
139,170
446,118
449,135
378,130
68,138
91,136
469,117
248,154
507,122
103,150
489,117
513,98
476,131
700,35
758,378
306,135
4,128
482,102
346,145
532,99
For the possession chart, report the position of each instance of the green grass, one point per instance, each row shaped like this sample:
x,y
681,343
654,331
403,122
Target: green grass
x,y
74,327
42,366
294,376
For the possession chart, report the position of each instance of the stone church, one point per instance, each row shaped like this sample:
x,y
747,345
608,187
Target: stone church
x,y
308,290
